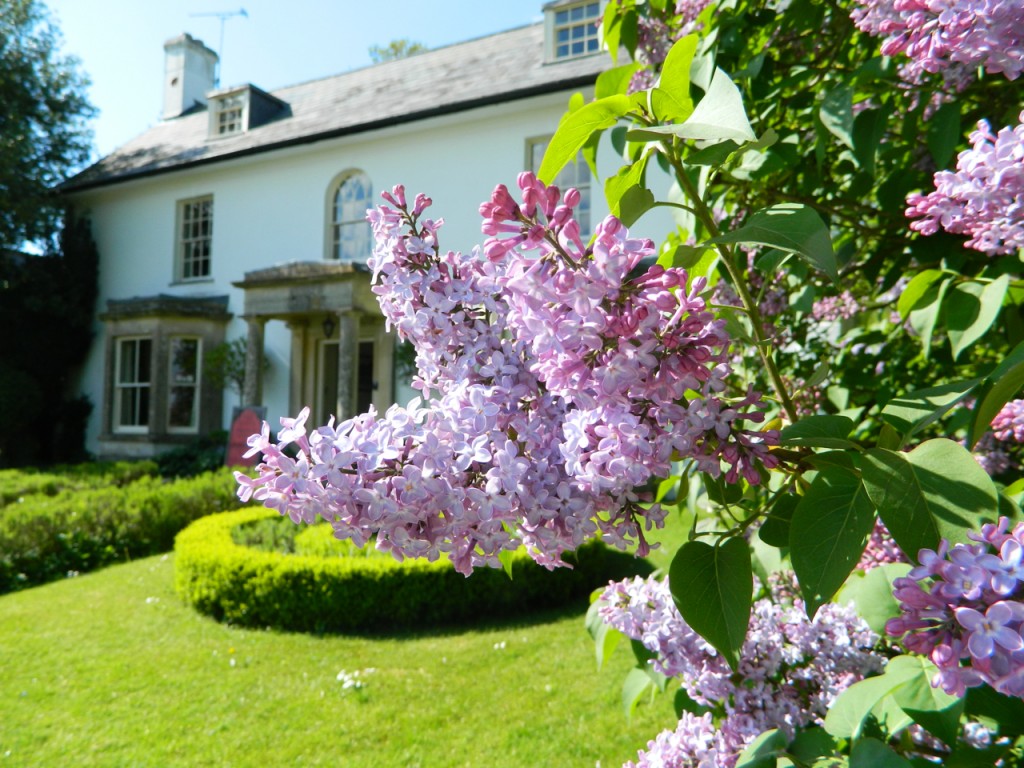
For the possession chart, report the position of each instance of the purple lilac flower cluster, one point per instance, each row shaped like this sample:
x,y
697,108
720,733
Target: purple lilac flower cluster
x,y
832,308
1008,424
962,608
791,668
952,37
561,377
984,198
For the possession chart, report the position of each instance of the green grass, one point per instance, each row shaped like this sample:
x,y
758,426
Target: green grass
x,y
111,669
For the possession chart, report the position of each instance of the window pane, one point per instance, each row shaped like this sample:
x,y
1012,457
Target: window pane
x,y
181,407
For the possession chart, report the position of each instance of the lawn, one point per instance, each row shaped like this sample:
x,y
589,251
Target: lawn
x,y
111,669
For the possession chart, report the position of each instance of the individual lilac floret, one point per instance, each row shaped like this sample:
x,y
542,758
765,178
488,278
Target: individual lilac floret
x,y
984,198
791,668
952,37
1008,425
560,378
962,607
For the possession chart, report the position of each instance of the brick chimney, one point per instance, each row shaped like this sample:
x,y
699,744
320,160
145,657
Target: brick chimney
x,y
189,73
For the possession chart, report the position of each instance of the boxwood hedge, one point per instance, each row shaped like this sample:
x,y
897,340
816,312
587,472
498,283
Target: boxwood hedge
x,y
368,591
17,484
45,537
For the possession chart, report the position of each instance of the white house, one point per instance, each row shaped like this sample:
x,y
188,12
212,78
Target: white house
x,y
241,214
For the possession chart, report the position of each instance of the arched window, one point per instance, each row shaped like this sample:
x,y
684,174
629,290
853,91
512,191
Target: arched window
x,y
349,236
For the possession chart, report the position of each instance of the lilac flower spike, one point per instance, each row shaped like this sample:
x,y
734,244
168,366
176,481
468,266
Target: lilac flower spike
x,y
984,198
558,378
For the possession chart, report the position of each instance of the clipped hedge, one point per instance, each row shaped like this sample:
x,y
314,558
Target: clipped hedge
x,y
43,538
16,484
367,593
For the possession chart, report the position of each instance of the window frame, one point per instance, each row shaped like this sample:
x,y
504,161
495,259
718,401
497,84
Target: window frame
x,y
335,222
184,243
559,17
120,386
196,385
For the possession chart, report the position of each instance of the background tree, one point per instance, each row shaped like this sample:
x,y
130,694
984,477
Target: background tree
x,y
396,49
43,121
50,300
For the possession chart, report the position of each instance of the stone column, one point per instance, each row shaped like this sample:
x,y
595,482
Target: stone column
x,y
348,358
252,391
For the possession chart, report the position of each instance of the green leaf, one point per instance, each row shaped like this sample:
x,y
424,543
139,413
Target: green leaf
x,y
996,390
925,314
852,706
931,708
829,530
719,115
683,703
615,80
868,130
836,114
620,189
763,751
871,753
1007,711
636,684
677,105
774,531
944,133
575,130
912,412
937,491
871,593
712,587
971,308
819,432
813,743
605,638
714,155
790,227
916,290
506,558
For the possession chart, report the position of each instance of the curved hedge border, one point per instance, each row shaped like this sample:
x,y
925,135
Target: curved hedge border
x,y
19,483
250,587
43,538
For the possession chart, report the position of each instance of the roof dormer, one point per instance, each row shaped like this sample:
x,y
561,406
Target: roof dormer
x,y
572,28
241,108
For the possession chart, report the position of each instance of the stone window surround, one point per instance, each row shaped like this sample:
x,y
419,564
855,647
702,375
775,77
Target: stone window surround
x,y
161,319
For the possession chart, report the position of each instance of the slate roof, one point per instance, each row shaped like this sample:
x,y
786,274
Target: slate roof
x,y
488,70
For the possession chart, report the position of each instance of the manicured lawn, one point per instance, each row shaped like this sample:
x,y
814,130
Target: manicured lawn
x,y
110,669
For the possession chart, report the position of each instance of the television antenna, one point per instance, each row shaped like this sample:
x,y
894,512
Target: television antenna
x,y
223,16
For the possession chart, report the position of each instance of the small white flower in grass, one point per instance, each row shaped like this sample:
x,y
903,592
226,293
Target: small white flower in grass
x,y
499,646
150,600
352,679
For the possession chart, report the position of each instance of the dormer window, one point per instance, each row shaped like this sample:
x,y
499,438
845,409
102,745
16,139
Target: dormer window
x,y
229,110
572,29
240,109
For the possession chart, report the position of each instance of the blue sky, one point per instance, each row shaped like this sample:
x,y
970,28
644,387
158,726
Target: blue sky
x,y
281,42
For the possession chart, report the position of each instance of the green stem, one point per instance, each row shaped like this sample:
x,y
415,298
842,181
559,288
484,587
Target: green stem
x,y
739,284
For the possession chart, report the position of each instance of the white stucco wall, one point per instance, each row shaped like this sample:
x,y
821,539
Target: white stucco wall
x,y
271,208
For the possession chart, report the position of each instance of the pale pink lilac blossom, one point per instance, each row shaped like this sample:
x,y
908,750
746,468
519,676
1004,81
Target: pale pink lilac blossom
x,y
950,37
983,198
560,379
